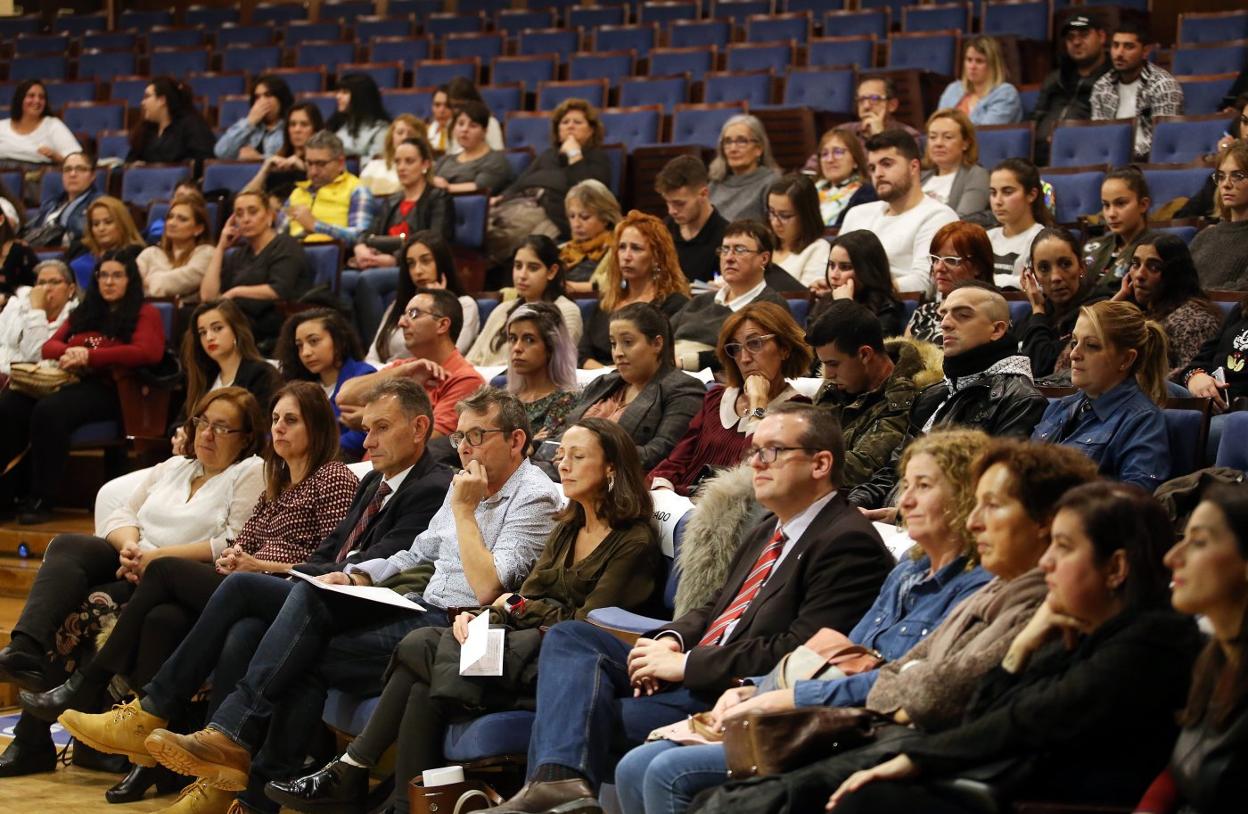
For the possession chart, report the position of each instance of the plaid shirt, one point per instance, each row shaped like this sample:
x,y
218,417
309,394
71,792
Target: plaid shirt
x,y
361,213
1159,95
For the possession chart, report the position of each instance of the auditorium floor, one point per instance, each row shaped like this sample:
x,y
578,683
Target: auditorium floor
x,y
68,790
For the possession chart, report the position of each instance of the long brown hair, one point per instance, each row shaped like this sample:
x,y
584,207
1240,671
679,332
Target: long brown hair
x,y
129,232
668,278
627,500
199,212
322,429
201,369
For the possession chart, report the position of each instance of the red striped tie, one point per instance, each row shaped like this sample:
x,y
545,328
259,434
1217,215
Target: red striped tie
x,y
749,589
366,517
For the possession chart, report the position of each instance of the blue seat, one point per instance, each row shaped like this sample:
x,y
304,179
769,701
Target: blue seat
x,y
1183,430
51,66
637,38
612,66
279,13
142,20
700,125
29,45
408,50
79,24
499,733
483,6
1085,143
616,155
1200,28
231,108
909,306
231,175
418,102
936,18
793,27
327,103
483,46
869,22
327,55
252,59
588,306
1184,233
1001,141
326,262
513,20
588,17
1182,139
418,8
1019,310
632,126
695,61
502,99
373,28
27,24
667,12
232,34
50,185
739,10
384,76
113,144
815,7
178,61
1203,59
927,51
666,91
1028,20
104,65
485,305
210,16
346,11
552,94
799,308
129,89
109,41
152,182
1077,193
212,86
527,70
471,216
751,87
858,51
1204,94
1028,96
821,89
441,24
94,117
175,38
1167,183
307,79
758,56
1233,449
432,73
61,92
519,159
699,34
527,129
97,433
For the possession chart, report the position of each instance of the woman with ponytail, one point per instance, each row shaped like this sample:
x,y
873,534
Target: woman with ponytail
x,y
1118,362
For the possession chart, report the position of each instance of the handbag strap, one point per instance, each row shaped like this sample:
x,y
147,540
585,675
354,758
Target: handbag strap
x,y
468,796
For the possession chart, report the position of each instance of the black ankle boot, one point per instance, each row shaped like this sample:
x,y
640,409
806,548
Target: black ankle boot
x,y
141,778
337,787
73,694
20,759
89,758
22,663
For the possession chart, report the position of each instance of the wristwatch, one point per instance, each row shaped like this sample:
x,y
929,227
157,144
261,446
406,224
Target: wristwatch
x,y
515,604
757,412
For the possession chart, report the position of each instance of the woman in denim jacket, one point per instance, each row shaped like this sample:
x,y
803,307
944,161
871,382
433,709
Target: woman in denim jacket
x,y
1118,362
982,93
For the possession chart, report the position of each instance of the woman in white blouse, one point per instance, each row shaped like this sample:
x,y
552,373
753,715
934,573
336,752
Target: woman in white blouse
x,y
176,266
31,317
190,506
31,134
793,211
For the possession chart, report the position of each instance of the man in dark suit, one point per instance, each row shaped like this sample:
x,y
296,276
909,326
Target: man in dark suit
x,y
814,562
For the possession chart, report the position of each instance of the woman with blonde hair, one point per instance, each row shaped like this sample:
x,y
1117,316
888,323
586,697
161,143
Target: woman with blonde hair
x,y
642,266
1220,252
379,175
952,174
109,229
982,93
175,267
743,169
593,212
843,181
1118,362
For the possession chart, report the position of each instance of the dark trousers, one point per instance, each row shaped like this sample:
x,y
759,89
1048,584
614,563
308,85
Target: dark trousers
x,y
72,566
160,613
47,425
586,715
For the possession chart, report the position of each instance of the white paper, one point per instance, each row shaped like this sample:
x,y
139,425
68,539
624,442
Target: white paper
x,y
896,539
669,508
482,652
372,593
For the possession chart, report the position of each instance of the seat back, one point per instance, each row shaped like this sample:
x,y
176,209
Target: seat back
x,y
471,217
695,61
140,185
667,12
666,91
50,185
483,46
212,86
383,74
94,117
1198,28
1183,430
1166,182
866,22
545,41
518,159
231,175
104,65
739,10
526,70
326,262
1077,190
527,128
408,50
699,33
824,89
513,20
417,101
441,24
935,51
701,124
280,13
998,142
632,126
252,59
612,65
936,18
178,61
233,34
1081,143
1204,94
503,99
751,87
1233,448
326,54
591,16
60,92
758,56
637,38
1182,139
48,66
857,51
1224,57
551,94
1030,19
790,27
304,79
432,73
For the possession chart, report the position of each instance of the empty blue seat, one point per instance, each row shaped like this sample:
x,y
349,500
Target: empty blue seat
x,y
474,44
612,66
513,20
1183,430
588,17
175,38
778,27
927,51
526,129
29,45
1233,450
695,61
113,144
94,117
244,35
302,32
1085,143
1019,310
1219,26
632,126
858,51
666,12
178,61
79,24
439,25
700,125
60,92
303,80
327,55
762,56
551,94
739,10
110,41
1028,20
326,262
1001,141
408,50
870,22
327,103
346,11
519,160
1204,94
434,72
419,8
231,175
383,75
253,59
372,28
278,13
936,18
667,91
1077,193
699,33
129,89
418,102
26,24
210,16
616,156
483,6
1204,59
753,88
1184,233
104,65
527,70
142,185
1168,183
1180,139
502,99
471,216
638,38
828,89
51,66
212,86
1028,95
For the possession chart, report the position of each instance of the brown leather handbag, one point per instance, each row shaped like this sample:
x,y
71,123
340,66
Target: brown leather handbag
x,y
766,743
451,798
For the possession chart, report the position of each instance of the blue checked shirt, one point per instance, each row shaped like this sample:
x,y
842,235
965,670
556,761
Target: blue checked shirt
x,y
361,213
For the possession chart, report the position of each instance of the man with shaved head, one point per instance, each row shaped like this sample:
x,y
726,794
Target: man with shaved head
x,y
987,384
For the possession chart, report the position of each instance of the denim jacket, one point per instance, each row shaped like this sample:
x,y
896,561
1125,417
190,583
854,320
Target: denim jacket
x,y
1124,432
909,606
1002,105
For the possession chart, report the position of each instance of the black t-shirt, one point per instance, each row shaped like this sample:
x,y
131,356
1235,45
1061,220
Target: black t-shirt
x,y
282,264
697,257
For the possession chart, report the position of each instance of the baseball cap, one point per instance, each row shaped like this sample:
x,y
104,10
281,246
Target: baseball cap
x,y
1079,22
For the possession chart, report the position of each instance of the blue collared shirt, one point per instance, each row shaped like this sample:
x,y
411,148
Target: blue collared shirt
x,y
1124,432
911,605
242,133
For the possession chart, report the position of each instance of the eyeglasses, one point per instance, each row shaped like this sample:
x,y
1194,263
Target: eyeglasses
x,y
110,276
874,98
1236,177
754,345
952,261
834,152
416,313
474,437
783,217
739,141
768,455
204,425
738,251
318,164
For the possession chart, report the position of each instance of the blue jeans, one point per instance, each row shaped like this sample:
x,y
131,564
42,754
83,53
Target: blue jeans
x,y
586,715
370,290
662,777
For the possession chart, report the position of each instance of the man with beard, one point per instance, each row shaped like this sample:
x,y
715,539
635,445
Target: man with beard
x,y
1067,91
904,219
1136,88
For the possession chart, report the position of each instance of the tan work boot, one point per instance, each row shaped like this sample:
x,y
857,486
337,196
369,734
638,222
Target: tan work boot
x,y
120,731
200,798
206,754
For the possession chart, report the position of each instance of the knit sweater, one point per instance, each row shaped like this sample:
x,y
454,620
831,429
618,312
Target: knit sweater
x,y
743,196
1221,256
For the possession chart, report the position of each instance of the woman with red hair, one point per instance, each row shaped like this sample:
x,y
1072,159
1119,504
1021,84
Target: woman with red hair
x,y
959,251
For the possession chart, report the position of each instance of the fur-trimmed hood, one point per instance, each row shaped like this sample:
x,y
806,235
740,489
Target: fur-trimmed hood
x,y
921,362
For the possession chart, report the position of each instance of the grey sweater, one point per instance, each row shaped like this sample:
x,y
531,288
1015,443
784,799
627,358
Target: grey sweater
x,y
743,196
1221,256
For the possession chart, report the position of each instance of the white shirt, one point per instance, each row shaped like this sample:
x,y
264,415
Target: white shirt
x,y
737,303
166,513
394,483
939,186
810,265
907,238
1128,108
1011,254
51,132
24,329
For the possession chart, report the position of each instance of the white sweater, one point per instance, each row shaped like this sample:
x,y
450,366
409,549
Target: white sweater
x,y
24,329
51,132
907,238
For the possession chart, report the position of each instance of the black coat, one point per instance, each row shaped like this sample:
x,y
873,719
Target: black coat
x,y
433,211
551,173
187,138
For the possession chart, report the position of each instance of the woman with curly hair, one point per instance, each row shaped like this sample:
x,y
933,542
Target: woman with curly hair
x,y
642,266
170,130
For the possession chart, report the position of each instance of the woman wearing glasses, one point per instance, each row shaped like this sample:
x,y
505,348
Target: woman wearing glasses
x,y
960,251
760,348
743,170
843,179
30,318
191,506
1221,251
112,329
793,212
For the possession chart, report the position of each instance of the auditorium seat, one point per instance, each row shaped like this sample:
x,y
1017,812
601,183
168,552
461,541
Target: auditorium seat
x,y
104,65
519,159
789,27
30,45
872,23
384,74
78,24
935,51
1203,94
93,117
695,61
502,99
527,128
440,24
109,41
667,12
481,45
62,91
175,38
432,73
1199,28
700,124
1027,20
252,59
1233,449
232,34
1212,58
610,65
1166,182
548,42
406,49
699,33
758,56
229,175
210,16
1077,190
140,185
212,86
1180,139
527,70
551,94
856,51
666,91
936,18
130,89
998,142
591,16
637,38
513,20
346,11
278,13
301,32
327,55
178,61
739,10
416,101
368,29
821,88
632,126
1081,143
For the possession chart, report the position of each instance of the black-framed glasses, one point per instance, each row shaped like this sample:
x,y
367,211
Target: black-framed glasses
x,y
1236,177
754,345
738,251
951,261
783,217
225,430
107,276
474,437
739,141
768,455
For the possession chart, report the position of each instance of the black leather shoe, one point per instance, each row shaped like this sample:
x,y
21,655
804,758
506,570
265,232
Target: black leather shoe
x,y
88,758
37,510
24,669
21,759
48,706
339,787
141,778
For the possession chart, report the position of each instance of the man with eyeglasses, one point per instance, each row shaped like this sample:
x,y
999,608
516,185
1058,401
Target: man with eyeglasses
x,y
62,219
1067,90
331,204
813,562
697,227
480,543
877,104
431,323
904,218
744,254
987,385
